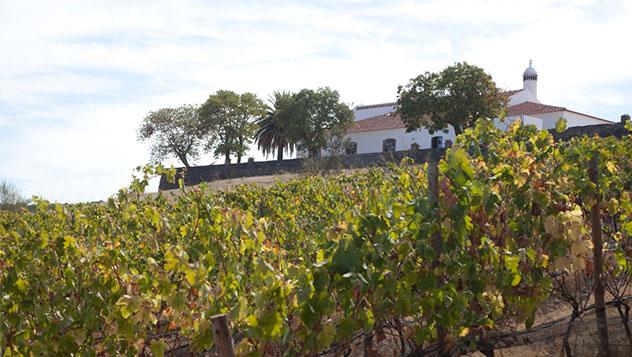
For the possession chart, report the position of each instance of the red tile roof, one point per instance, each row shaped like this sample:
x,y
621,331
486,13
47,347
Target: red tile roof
x,y
380,122
530,108
393,121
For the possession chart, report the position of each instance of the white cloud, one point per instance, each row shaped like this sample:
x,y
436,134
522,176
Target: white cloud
x,y
78,76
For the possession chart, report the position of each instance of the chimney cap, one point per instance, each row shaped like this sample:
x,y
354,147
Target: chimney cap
x,y
530,72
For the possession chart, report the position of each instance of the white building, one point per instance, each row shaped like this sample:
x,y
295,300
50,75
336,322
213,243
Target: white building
x,y
378,127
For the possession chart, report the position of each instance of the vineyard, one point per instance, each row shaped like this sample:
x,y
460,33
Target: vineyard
x,y
302,266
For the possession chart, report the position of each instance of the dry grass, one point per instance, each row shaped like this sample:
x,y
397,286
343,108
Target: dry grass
x,y
265,181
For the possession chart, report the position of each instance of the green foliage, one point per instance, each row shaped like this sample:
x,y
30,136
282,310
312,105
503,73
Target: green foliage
x,y
303,264
228,121
273,128
174,132
560,125
458,96
319,116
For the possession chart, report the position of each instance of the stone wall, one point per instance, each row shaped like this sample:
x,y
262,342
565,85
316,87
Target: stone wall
x,y
617,130
198,174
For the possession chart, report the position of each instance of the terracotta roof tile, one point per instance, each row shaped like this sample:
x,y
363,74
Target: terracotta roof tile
x,y
530,108
393,121
380,122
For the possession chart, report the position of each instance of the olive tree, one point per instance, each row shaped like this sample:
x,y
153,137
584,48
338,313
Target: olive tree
x,y
173,132
457,96
228,120
318,116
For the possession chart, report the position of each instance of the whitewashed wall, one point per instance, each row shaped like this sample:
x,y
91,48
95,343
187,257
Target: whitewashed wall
x,y
524,95
527,120
572,119
371,141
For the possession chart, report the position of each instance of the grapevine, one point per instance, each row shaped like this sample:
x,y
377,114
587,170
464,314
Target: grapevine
x,y
301,265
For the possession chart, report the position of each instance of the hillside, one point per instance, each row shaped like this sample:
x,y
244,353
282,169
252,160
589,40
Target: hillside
x,y
458,258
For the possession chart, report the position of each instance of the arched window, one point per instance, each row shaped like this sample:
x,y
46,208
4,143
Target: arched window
x,y
388,145
351,148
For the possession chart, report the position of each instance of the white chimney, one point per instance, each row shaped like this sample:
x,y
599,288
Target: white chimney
x,y
530,80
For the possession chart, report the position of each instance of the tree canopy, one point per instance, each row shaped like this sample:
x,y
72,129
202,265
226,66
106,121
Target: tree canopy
x,y
319,115
228,120
173,132
273,133
227,123
458,96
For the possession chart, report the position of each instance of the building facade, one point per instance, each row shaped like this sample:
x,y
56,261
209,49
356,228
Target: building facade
x,y
378,127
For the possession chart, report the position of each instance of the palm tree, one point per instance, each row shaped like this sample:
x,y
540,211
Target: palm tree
x,y
272,135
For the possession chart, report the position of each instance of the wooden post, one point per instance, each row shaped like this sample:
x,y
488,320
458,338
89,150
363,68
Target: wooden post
x,y
221,335
433,181
433,195
595,220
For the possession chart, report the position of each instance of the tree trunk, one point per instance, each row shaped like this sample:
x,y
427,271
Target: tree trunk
x,y
227,156
595,220
280,153
185,161
241,144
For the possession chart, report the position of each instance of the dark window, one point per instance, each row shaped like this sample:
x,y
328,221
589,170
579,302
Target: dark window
x,y
388,145
414,147
351,148
437,142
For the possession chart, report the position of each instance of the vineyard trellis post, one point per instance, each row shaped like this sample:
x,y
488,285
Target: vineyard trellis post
x,y
595,220
221,335
433,195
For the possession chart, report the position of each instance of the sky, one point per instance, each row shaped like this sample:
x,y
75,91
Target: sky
x,y
77,77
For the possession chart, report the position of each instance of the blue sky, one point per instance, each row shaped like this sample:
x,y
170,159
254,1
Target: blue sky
x,y
77,77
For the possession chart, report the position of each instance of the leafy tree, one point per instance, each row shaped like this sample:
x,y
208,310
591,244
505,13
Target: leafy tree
x,y
173,131
273,134
319,115
457,96
10,197
228,120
